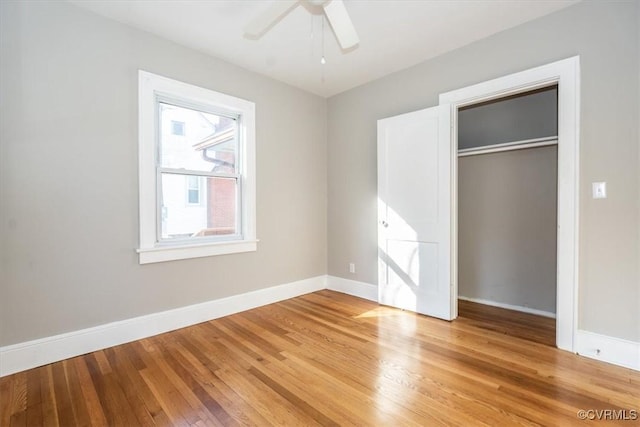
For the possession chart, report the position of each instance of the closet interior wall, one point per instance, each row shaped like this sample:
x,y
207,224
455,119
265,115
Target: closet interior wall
x,y
507,201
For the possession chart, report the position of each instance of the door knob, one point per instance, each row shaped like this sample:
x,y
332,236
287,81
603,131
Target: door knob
x,y
385,224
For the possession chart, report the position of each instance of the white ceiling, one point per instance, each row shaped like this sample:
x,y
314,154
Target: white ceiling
x,y
393,34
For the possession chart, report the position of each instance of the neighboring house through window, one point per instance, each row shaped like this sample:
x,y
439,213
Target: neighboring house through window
x,y
177,128
193,190
197,190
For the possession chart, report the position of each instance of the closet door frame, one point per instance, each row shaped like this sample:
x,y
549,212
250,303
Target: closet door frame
x,y
566,74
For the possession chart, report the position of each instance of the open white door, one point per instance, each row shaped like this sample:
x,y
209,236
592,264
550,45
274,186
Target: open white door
x,y
414,212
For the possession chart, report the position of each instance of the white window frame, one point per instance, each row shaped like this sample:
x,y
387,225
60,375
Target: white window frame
x,y
151,88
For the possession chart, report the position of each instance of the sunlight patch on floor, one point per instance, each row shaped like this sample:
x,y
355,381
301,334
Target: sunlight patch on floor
x,y
383,312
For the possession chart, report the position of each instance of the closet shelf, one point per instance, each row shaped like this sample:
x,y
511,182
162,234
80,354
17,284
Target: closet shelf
x,y
509,146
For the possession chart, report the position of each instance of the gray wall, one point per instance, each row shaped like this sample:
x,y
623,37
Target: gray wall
x,y
605,35
69,185
507,227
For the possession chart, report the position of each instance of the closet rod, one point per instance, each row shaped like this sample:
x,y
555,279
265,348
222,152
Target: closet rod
x,y
509,146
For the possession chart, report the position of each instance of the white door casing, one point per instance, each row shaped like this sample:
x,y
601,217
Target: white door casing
x,y
400,285
414,212
566,74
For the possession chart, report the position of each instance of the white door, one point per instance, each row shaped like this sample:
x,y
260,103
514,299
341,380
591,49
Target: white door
x,y
414,212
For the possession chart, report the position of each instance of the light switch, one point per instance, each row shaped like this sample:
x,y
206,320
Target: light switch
x,y
599,190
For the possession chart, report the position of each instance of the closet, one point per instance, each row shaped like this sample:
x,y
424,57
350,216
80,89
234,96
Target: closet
x,y
507,201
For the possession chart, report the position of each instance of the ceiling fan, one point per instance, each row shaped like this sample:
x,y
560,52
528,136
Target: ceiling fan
x,y
334,10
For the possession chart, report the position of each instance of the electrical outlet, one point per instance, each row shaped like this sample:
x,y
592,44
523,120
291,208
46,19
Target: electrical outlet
x,y
352,268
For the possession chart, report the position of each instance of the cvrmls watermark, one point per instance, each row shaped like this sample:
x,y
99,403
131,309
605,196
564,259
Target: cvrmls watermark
x,y
608,414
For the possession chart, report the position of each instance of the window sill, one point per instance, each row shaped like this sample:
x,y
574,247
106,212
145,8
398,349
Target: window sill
x,y
172,253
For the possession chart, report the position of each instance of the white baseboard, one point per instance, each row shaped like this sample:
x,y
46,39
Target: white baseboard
x,y
353,287
510,307
608,349
31,354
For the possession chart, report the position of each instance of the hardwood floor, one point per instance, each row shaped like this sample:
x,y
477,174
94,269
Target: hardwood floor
x,y
508,322
321,359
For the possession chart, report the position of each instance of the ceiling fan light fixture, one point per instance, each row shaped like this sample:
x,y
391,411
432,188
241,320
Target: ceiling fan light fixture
x,y
334,11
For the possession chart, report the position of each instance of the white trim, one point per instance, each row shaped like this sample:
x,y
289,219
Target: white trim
x,y
510,306
608,349
31,354
150,88
353,287
171,253
566,74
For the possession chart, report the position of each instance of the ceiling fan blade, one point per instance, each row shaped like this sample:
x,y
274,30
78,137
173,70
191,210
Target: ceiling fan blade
x,y
270,17
341,24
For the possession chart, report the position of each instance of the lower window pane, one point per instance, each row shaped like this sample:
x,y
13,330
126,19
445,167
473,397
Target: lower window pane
x,y
197,206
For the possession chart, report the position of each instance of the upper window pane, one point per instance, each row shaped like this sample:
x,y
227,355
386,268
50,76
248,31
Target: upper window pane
x,y
207,142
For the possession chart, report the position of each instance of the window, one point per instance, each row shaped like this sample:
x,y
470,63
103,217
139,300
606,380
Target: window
x,y
177,128
197,191
193,190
